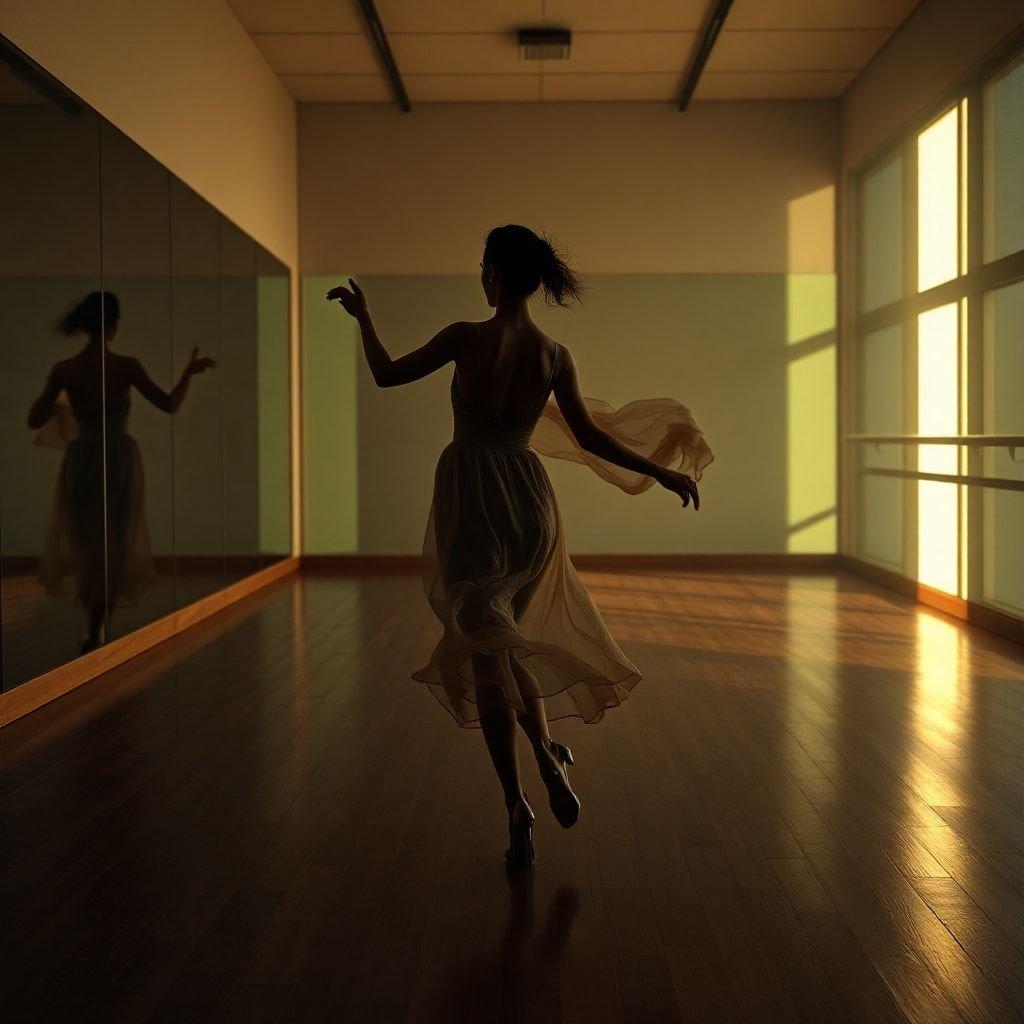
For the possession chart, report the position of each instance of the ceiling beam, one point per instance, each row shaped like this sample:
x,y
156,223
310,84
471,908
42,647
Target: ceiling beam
x,y
380,41
719,9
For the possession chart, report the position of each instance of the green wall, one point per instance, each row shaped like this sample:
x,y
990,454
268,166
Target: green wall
x,y
329,437
753,356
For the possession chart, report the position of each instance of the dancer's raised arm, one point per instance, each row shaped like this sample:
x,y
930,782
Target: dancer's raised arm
x,y
591,438
168,401
388,372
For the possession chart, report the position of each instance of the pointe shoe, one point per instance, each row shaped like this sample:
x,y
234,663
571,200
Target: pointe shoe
x,y
565,804
519,854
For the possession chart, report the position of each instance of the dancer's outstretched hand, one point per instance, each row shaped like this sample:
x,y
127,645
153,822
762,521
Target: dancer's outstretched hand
x,y
199,364
681,484
352,299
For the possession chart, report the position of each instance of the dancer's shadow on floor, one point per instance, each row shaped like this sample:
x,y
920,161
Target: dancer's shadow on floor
x,y
507,971
532,951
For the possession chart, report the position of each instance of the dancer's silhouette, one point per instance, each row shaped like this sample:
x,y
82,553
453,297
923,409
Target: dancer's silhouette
x,y
519,627
110,562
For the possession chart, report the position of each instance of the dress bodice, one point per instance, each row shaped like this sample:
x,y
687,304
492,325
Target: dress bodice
x,y
115,421
476,426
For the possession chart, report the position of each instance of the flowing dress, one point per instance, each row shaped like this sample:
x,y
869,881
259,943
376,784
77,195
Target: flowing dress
x,y
517,621
97,537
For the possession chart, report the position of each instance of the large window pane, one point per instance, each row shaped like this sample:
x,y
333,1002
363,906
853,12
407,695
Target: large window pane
x,y
937,385
880,518
1004,164
51,476
1004,375
1002,524
938,205
1003,543
881,394
882,235
938,414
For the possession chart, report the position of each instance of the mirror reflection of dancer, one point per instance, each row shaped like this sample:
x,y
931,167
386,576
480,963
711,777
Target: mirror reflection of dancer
x,y
522,639
99,400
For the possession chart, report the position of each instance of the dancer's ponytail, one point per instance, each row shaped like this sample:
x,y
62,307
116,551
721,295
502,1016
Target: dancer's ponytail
x,y
526,261
560,282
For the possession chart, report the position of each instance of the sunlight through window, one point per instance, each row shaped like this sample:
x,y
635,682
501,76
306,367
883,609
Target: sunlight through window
x,y
938,201
937,414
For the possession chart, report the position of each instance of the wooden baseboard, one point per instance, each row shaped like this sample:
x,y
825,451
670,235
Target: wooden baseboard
x,y
358,565
354,565
705,563
967,611
55,683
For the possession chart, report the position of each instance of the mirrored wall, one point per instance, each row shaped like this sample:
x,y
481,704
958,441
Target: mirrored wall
x,y
144,388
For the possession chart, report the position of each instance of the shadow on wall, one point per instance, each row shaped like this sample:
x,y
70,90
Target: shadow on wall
x,y
753,356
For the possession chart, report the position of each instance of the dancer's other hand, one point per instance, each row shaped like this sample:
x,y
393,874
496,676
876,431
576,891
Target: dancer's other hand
x,y
681,484
352,299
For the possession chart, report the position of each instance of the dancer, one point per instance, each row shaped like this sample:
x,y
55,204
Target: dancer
x,y
523,642
98,535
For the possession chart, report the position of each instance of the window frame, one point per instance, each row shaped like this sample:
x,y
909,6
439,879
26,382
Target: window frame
x,y
968,289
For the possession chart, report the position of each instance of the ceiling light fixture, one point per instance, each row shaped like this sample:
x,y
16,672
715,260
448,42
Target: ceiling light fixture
x,y
544,43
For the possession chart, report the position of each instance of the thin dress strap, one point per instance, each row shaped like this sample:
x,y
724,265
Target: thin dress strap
x,y
551,379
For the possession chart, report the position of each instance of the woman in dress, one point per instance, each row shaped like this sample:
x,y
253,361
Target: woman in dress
x,y
98,536
523,643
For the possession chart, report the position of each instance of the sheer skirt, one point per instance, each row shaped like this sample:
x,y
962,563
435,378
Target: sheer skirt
x,y
518,623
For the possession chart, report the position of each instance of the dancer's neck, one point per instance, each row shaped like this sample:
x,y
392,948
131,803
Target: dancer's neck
x,y
513,314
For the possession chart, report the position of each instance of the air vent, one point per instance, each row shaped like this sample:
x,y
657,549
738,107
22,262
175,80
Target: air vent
x,y
544,43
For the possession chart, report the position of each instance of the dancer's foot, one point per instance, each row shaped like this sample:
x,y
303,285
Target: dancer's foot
x,y
519,854
553,760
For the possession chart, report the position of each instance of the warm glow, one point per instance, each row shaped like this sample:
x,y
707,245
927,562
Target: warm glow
x,y
937,385
938,672
937,413
811,412
938,203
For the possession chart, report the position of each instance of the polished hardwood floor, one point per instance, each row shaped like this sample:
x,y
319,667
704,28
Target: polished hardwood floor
x,y
810,810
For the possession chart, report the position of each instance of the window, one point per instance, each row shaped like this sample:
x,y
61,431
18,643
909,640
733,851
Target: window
x,y
936,448
1004,163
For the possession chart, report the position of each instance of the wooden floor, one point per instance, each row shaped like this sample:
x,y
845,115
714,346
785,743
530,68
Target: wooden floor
x,y
810,810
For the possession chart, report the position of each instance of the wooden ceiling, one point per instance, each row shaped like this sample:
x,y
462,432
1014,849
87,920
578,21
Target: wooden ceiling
x,y
465,50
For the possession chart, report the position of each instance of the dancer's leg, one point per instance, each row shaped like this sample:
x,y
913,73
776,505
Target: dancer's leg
x,y
498,722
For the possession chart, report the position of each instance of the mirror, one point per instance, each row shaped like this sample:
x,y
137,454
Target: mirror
x,y
198,428
128,486
51,485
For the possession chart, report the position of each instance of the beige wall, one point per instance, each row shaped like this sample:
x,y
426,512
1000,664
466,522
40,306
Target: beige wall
x,y
630,188
706,240
184,80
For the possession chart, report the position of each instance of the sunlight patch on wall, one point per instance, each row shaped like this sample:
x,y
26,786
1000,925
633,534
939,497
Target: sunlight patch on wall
x,y
811,413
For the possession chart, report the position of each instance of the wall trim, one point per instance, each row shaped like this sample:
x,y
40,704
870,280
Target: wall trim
x,y
50,685
396,564
957,607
